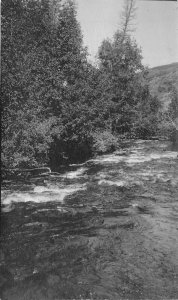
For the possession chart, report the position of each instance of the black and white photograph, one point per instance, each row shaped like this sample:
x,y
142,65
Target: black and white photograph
x,y
89,150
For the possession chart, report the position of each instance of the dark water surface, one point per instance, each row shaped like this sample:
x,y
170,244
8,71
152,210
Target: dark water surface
x,y
107,229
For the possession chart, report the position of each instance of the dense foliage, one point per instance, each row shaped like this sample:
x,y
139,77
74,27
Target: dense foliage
x,y
133,110
56,106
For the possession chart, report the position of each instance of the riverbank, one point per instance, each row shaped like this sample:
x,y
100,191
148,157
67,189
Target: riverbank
x,y
45,170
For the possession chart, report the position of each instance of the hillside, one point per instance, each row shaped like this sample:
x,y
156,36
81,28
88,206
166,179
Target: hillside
x,y
161,79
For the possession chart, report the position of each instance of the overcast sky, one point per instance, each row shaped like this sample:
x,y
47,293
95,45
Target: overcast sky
x,y
156,27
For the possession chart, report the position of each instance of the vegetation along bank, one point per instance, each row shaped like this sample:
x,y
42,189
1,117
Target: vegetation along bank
x,y
59,108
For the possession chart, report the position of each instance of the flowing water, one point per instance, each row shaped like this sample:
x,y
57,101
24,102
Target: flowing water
x,y
105,229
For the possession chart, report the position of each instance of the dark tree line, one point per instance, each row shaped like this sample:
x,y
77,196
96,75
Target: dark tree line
x,y
56,106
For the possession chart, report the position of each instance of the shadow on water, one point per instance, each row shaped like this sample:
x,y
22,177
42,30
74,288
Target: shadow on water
x,y
174,139
106,229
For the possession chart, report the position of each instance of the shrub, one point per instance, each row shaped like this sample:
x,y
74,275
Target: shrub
x,y
104,142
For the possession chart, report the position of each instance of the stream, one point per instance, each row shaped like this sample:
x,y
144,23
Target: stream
x,y
104,229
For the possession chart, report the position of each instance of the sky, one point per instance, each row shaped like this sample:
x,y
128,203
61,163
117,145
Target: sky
x,y
156,27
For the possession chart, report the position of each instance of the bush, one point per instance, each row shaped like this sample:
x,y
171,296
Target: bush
x,y
104,142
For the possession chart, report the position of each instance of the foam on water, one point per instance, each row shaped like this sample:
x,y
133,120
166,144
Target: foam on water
x,y
111,158
139,157
74,174
119,183
135,157
43,194
120,179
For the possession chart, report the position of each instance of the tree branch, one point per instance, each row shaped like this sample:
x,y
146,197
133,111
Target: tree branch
x,y
127,16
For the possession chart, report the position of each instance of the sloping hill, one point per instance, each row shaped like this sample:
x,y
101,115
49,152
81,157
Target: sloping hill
x,y
161,79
